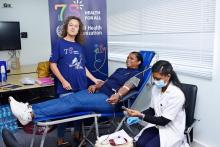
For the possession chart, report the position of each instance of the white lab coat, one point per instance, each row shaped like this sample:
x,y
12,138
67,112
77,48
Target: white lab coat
x,y
169,105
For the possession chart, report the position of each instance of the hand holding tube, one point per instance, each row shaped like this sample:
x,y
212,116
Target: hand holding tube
x,y
134,113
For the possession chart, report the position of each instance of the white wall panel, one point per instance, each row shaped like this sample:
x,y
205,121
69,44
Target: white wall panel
x,y
33,16
179,31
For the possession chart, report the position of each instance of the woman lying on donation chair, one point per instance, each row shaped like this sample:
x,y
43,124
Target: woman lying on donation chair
x,y
98,98
166,116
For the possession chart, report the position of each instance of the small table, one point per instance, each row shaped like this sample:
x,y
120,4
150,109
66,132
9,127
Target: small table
x,y
25,92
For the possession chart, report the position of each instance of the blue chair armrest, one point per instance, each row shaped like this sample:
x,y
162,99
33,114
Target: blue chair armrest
x,y
131,94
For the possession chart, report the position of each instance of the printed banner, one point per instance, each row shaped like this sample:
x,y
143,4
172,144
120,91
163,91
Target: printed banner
x,y
94,17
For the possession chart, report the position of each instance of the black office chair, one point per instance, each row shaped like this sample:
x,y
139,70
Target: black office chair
x,y
190,92
9,139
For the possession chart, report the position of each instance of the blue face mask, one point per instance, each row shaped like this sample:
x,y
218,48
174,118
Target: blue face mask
x,y
160,83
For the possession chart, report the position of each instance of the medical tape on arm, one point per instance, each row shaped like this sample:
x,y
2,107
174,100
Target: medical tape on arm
x,y
126,87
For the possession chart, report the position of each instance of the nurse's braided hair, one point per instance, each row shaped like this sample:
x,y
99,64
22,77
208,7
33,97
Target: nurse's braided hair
x,y
164,68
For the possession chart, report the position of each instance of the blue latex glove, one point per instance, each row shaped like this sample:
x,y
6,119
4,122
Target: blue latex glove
x,y
133,120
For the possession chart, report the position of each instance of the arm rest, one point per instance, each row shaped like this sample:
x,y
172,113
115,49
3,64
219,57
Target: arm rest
x,y
130,95
189,128
188,131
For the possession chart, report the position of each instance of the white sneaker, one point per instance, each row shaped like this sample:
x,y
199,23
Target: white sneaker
x,y
21,104
21,111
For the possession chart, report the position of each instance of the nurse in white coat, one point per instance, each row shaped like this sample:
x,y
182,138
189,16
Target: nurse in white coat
x,y
166,115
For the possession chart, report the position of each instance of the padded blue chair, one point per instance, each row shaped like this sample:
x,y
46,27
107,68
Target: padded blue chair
x,y
130,98
47,121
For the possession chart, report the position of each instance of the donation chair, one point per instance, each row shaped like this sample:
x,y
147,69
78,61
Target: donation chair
x,y
190,92
131,97
9,139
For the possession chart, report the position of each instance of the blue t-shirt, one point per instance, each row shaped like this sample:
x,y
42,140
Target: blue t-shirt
x,y
118,79
70,60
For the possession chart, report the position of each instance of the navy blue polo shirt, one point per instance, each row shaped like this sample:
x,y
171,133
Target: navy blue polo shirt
x,y
117,80
70,60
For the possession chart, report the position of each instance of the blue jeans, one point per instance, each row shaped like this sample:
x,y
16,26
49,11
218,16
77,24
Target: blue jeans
x,y
76,102
61,127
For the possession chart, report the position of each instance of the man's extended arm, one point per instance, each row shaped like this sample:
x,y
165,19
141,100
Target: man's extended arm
x,y
130,84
